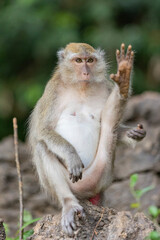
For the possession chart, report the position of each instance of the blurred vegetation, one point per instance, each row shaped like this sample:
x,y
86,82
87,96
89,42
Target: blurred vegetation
x,y
31,31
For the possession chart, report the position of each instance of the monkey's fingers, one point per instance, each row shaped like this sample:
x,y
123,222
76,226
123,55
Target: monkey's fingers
x,y
74,179
118,56
114,77
70,176
75,174
136,134
140,131
122,51
80,176
128,54
131,57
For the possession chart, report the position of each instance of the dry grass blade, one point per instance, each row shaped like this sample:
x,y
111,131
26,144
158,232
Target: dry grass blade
x,y
15,126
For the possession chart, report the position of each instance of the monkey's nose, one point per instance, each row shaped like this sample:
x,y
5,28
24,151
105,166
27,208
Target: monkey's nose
x,y
85,73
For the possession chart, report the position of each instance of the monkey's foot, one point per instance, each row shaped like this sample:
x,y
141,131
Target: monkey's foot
x,y
137,133
68,218
125,63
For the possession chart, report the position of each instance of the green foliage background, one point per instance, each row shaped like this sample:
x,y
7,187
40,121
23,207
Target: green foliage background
x,y
31,31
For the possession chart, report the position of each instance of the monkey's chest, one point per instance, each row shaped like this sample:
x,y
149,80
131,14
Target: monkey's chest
x,y
80,127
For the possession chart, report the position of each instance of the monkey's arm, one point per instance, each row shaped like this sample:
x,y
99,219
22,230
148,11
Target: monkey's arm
x,y
65,152
46,109
130,136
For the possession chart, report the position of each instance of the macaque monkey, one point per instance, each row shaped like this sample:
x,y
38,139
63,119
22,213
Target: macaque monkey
x,y
76,125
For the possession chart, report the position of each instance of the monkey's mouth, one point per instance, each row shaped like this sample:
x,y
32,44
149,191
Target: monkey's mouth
x,y
85,78
84,81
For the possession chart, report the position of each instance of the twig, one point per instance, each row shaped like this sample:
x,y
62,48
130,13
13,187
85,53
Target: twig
x,y
19,178
94,232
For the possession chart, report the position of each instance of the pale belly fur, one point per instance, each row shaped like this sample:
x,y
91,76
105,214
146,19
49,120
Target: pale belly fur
x,y
81,128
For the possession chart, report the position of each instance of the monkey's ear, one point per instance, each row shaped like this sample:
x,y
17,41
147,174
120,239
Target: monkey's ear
x,y
60,54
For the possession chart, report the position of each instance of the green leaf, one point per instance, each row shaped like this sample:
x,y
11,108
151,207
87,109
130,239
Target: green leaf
x,y
133,180
154,235
154,211
17,238
27,216
28,223
140,193
27,234
135,205
6,228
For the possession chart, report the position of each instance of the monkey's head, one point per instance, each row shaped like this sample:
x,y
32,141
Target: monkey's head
x,y
80,62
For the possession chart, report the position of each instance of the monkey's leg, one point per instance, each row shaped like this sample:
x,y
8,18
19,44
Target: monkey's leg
x,y
56,181
98,175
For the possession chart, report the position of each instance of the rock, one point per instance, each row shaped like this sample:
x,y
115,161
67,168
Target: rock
x,y
100,223
143,157
119,196
145,106
156,166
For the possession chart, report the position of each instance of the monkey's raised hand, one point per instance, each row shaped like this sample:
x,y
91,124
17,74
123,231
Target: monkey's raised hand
x,y
125,63
137,133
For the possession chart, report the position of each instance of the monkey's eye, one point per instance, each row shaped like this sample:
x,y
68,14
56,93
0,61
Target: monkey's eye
x,y
78,60
90,60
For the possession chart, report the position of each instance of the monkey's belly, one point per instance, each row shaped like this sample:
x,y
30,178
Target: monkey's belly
x,y
82,131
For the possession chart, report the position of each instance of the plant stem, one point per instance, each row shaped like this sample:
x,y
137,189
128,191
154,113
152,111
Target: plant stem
x,y
15,126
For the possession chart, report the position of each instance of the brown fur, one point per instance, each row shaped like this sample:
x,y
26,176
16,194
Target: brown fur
x,y
79,48
58,164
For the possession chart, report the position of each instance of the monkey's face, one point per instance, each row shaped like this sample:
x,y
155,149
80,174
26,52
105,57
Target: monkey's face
x,y
80,62
83,66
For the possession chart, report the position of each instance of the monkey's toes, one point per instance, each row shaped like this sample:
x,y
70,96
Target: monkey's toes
x,y
68,224
68,219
